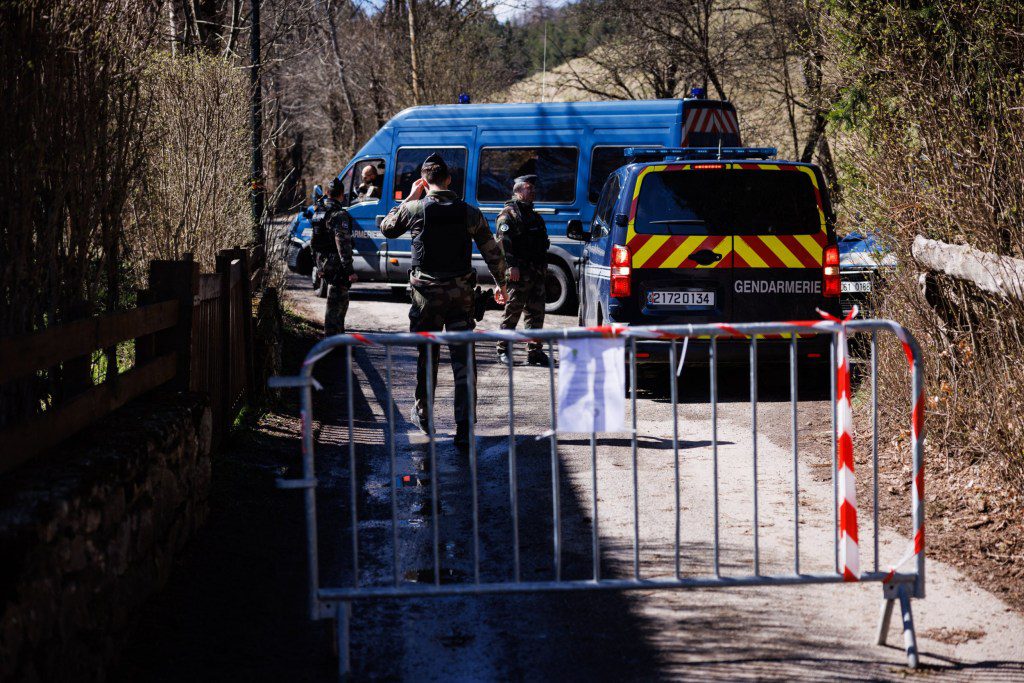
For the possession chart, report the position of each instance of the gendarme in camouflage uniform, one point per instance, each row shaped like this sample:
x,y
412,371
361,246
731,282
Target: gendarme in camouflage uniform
x,y
443,229
334,253
523,238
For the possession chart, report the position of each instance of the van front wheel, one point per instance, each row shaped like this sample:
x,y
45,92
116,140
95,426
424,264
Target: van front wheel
x,y
559,291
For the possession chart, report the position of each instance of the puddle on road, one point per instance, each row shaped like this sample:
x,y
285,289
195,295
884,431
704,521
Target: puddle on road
x,y
446,576
424,507
457,638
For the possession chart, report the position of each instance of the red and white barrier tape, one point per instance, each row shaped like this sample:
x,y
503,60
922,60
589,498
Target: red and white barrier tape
x,y
849,552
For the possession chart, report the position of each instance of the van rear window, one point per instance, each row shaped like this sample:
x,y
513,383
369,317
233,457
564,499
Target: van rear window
x,y
727,202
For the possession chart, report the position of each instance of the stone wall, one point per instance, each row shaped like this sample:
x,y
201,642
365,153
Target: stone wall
x,y
88,534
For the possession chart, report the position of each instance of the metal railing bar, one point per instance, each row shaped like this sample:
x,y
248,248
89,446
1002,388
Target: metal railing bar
x,y
353,488
471,389
309,473
513,481
796,462
432,452
714,440
753,422
874,434
674,393
556,494
578,585
835,469
391,457
595,542
636,483
663,333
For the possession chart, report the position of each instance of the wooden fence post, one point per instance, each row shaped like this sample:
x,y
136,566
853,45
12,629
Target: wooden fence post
x,y
243,256
178,280
224,269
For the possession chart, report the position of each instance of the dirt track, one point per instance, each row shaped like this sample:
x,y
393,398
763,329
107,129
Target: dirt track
x,y
820,632
234,609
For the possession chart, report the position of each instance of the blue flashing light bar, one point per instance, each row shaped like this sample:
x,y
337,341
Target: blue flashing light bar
x,y
714,153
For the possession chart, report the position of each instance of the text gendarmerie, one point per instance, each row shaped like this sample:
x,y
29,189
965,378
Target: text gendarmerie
x,y
778,287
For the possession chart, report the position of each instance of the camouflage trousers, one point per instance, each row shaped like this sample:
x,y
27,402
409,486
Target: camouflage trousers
x,y
527,295
443,305
337,308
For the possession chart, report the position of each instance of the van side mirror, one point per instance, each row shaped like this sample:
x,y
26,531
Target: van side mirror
x,y
574,230
621,220
318,192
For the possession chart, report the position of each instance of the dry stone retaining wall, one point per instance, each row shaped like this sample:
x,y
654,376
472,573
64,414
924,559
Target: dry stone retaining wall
x,y
89,534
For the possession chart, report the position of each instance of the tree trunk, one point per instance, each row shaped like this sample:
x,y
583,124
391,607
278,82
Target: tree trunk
x,y
413,57
172,25
339,63
234,28
191,27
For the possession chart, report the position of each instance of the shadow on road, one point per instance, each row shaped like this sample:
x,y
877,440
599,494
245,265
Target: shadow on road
x,y
583,637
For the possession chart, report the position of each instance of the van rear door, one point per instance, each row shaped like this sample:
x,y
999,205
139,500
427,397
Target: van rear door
x,y
682,260
779,242
729,242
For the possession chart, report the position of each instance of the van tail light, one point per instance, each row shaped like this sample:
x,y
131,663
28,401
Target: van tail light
x,y
621,271
832,286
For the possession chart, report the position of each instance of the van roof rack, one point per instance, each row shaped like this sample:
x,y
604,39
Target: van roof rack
x,y
713,153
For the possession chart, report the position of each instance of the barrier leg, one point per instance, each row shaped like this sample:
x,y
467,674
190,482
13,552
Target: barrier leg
x,y
342,615
883,623
909,637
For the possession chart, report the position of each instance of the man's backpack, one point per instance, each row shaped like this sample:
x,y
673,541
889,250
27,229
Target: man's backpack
x,y
322,241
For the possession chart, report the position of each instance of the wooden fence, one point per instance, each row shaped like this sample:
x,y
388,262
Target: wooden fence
x,y
190,331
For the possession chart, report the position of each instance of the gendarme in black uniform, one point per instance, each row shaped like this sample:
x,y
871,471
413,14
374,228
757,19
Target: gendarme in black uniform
x,y
332,246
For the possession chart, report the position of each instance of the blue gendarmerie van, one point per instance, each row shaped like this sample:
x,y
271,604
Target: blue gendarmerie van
x,y
713,235
571,146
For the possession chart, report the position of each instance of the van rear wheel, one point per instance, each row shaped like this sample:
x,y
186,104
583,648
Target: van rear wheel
x,y
559,290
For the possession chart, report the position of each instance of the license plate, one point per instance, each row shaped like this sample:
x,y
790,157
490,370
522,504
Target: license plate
x,y
681,299
856,287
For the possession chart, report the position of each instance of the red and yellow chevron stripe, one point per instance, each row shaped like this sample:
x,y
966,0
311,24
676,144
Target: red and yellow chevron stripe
x,y
746,251
665,251
709,120
779,251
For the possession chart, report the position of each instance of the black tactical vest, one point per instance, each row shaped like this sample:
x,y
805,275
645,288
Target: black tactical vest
x,y
322,239
443,247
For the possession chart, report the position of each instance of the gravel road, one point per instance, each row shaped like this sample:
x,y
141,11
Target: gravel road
x,y
807,633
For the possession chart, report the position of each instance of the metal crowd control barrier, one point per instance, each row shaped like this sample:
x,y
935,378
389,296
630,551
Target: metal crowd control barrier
x,y
334,602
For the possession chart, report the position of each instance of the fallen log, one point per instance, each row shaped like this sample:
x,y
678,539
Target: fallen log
x,y
1000,275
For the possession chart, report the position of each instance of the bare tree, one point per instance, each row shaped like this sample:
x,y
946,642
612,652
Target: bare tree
x,y
414,65
660,48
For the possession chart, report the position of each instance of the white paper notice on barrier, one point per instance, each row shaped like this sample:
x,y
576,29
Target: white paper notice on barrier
x,y
591,385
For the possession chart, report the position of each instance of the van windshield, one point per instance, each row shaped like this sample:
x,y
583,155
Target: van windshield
x,y
727,202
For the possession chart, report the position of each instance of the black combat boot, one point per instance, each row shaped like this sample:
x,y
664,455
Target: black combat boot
x,y
539,358
462,438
